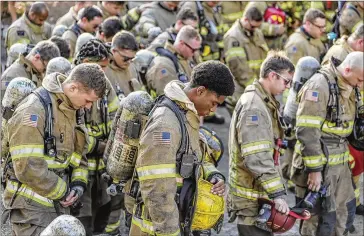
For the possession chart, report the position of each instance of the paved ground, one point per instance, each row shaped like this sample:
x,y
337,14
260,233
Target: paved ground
x,y
230,229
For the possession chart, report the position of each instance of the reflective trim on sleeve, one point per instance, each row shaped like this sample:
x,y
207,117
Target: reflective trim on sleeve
x,y
233,16
59,190
338,158
75,159
79,175
143,225
314,161
27,192
53,164
272,185
309,121
255,64
234,52
91,144
245,192
91,163
157,171
20,151
112,227
328,127
255,147
113,105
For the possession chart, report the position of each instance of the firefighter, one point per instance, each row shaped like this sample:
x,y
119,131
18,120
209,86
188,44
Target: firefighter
x,y
184,17
158,172
305,41
31,28
245,50
163,68
89,21
96,203
254,132
320,161
351,17
70,17
124,47
32,66
40,181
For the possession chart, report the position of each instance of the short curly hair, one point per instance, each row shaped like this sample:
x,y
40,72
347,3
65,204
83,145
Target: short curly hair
x,y
62,45
95,50
215,76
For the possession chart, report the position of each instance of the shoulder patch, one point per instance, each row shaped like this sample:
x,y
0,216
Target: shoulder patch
x,y
252,120
30,120
312,95
236,44
20,32
162,138
163,72
293,49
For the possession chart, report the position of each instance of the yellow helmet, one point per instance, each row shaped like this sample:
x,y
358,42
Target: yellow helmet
x,y
214,142
209,211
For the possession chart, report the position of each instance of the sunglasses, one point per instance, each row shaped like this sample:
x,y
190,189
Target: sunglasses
x,y
286,81
125,58
192,49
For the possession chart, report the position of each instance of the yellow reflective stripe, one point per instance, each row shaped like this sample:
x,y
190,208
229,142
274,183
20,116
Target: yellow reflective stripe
x,y
143,225
80,175
255,64
256,147
53,164
101,165
245,192
309,121
26,151
357,193
75,159
91,163
208,169
338,158
234,52
27,192
170,234
314,161
111,227
179,180
113,105
59,190
91,145
328,127
233,16
22,41
157,171
220,44
272,185
133,13
92,130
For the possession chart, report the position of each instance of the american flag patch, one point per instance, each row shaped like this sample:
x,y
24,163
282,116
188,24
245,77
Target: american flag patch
x,y
252,120
311,95
163,138
30,120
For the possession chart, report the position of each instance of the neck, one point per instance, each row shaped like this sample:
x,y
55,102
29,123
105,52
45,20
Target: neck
x,y
265,84
306,30
189,92
341,70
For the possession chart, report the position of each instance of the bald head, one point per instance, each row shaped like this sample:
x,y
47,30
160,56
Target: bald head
x,y
38,13
39,8
352,69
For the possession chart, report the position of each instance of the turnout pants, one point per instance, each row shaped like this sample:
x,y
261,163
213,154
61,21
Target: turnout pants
x,y
96,206
338,206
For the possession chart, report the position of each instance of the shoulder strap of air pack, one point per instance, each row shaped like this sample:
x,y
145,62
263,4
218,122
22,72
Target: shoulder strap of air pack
x,y
166,53
49,140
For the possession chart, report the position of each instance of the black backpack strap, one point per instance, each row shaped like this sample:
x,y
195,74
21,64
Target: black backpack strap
x,y
166,53
49,139
76,29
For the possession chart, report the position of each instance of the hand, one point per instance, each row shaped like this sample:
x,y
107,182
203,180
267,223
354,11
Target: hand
x,y
219,186
70,199
281,205
314,181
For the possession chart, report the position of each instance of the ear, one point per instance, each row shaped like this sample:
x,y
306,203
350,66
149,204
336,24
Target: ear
x,y
85,60
347,70
37,56
201,90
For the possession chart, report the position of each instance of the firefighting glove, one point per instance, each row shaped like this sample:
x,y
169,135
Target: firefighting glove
x,y
153,33
281,204
78,190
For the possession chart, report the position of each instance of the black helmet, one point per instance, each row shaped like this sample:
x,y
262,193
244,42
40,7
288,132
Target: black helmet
x,y
356,138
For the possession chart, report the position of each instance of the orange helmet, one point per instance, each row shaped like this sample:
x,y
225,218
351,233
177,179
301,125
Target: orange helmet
x,y
280,223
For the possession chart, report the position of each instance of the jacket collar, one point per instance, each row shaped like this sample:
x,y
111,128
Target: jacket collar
x,y
35,28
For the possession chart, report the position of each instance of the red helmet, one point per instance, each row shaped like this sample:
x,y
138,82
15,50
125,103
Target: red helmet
x,y
274,15
281,223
